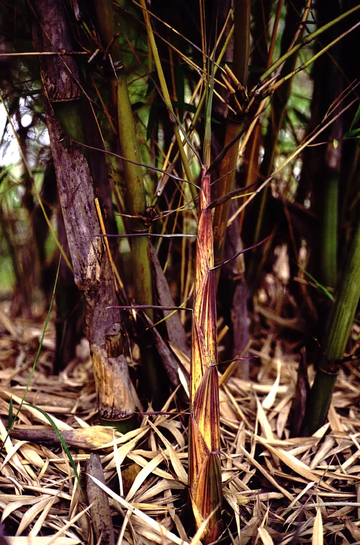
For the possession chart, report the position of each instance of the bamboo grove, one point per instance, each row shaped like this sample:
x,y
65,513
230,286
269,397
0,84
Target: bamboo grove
x,y
186,147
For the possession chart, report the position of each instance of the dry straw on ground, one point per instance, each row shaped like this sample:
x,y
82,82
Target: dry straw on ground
x,y
278,489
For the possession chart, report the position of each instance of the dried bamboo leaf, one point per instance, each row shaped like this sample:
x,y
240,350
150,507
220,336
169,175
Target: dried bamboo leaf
x,y
270,398
177,465
264,423
125,449
265,536
148,521
142,475
295,464
40,521
42,541
32,513
267,474
9,326
31,455
8,509
144,463
12,456
353,529
173,428
66,526
318,532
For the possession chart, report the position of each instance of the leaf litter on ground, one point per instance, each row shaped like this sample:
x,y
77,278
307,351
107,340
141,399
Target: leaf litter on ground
x,y
278,488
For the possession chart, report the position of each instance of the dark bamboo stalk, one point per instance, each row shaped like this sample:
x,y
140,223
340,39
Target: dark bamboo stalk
x,y
92,269
336,339
234,125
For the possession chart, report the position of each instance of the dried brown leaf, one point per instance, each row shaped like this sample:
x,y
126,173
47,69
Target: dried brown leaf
x,y
318,532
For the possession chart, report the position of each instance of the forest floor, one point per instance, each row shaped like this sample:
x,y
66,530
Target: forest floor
x,y
277,488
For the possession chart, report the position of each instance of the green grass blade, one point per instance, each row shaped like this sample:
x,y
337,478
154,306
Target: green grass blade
x,y
11,414
14,418
317,284
60,436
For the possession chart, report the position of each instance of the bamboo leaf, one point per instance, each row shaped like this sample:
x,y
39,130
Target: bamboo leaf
x,y
318,533
60,436
355,120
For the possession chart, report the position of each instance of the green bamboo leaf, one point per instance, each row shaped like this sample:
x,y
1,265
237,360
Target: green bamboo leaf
x,y
317,284
153,117
352,133
356,118
11,414
60,436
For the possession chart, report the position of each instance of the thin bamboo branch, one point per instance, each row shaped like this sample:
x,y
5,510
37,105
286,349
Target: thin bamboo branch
x,y
165,92
305,41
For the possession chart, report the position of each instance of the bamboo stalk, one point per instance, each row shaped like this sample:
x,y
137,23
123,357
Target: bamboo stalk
x,y
336,339
204,424
233,125
226,184
117,399
135,189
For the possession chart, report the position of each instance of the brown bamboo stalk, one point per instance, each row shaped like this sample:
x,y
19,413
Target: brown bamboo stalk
x,y
204,426
92,269
234,124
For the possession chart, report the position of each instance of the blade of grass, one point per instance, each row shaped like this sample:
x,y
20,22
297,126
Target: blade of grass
x,y
317,284
13,419
61,438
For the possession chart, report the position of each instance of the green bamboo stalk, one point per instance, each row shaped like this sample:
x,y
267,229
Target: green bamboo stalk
x,y
135,190
336,339
326,164
329,234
